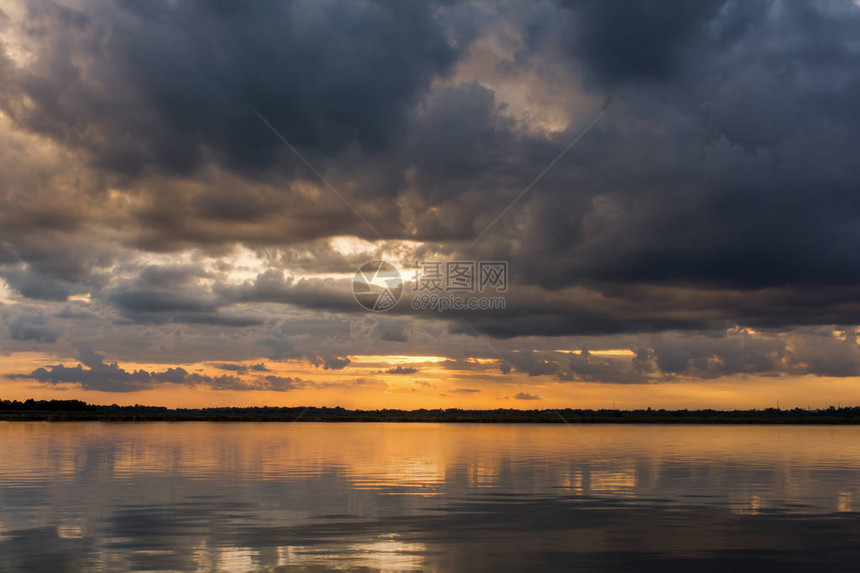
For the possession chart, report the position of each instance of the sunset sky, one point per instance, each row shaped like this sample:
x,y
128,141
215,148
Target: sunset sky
x,y
187,189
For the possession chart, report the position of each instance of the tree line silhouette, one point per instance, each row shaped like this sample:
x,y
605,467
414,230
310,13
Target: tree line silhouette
x,y
68,410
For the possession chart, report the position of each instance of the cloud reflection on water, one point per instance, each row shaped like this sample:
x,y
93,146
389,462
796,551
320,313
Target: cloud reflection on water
x,y
401,497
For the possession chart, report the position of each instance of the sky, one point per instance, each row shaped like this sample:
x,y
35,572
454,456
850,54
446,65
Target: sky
x,y
188,189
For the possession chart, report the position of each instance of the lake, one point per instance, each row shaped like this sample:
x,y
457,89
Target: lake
x,y
195,496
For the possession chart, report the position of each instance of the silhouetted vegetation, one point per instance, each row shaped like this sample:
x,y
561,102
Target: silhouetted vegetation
x,y
68,410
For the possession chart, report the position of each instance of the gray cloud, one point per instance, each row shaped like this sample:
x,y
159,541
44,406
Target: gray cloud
x,y
242,368
33,327
172,294
95,374
402,370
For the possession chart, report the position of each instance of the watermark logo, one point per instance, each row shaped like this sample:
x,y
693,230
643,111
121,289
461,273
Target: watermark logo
x,y
435,285
461,276
377,286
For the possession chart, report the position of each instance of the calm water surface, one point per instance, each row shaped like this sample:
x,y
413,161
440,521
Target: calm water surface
x,y
431,497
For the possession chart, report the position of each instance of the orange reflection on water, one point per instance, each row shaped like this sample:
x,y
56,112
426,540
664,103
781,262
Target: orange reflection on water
x,y
428,458
251,496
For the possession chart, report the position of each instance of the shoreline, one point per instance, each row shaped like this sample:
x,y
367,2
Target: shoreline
x,y
76,410
88,417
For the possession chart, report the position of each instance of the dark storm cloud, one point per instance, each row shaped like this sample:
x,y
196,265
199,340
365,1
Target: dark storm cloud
x,y
95,374
734,168
620,41
172,293
460,139
273,286
391,329
330,74
33,285
820,352
55,268
531,363
670,356
615,309
33,327
583,366
586,367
